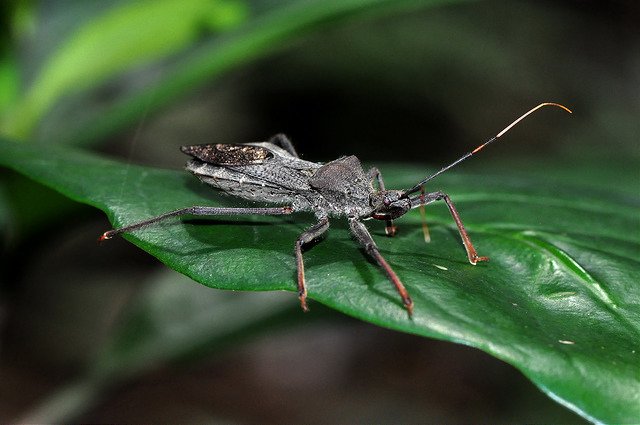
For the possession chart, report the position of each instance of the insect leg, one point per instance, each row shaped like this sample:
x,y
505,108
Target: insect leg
x,y
363,236
197,210
283,141
374,173
466,241
309,235
423,214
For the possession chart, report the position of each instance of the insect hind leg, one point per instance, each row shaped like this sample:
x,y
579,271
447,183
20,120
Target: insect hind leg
x,y
197,211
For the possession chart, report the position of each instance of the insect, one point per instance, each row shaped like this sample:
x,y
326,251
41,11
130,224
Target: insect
x,y
272,172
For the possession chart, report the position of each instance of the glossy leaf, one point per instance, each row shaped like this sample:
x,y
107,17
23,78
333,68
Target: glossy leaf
x,y
559,299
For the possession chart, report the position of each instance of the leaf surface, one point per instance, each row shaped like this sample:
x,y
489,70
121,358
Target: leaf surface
x,y
559,300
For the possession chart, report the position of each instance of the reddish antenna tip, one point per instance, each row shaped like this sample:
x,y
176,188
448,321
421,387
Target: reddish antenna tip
x,y
523,116
558,105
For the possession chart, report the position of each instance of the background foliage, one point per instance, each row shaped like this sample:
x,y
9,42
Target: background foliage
x,y
388,81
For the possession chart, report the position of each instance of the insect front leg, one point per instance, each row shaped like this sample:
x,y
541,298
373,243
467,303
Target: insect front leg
x,y
466,241
283,141
309,235
199,211
374,173
363,236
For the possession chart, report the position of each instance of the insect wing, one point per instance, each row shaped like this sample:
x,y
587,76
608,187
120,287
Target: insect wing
x,y
226,154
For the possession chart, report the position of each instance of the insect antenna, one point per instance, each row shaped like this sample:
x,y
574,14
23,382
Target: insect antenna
x,y
479,148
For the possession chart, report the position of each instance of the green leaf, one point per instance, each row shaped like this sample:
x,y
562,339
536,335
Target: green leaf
x,y
133,35
9,82
559,299
123,37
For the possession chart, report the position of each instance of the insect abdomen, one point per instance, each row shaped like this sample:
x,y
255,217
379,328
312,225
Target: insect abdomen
x,y
254,182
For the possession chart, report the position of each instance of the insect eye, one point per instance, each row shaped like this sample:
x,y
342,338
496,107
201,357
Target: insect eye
x,y
386,201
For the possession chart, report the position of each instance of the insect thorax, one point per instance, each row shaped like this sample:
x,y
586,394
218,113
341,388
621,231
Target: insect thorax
x,y
345,187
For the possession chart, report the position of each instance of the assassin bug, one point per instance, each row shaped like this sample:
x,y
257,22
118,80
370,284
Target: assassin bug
x,y
273,172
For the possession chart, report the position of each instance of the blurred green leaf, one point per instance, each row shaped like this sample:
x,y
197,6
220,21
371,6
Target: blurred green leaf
x,y
26,221
137,34
124,37
9,82
559,299
18,18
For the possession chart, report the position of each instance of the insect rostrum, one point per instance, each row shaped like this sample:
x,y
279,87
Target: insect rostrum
x,y
273,172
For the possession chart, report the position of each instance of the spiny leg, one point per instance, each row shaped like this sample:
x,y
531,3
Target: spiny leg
x,y
374,173
466,241
309,235
199,211
363,236
283,141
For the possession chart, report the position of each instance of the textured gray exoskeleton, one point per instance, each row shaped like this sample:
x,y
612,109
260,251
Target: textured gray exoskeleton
x,y
273,172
